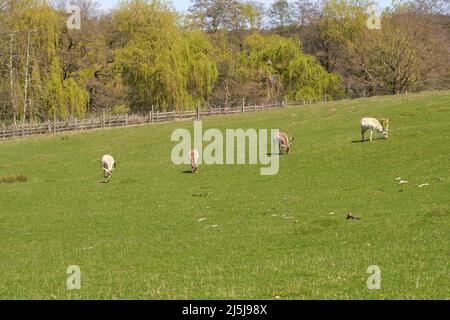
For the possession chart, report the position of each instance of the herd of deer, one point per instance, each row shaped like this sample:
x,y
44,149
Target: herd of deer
x,y
282,139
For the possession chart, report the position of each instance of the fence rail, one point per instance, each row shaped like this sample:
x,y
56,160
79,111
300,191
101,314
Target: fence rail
x,y
105,121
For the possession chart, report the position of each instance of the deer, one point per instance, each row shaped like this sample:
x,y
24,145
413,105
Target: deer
x,y
108,164
381,126
194,156
284,142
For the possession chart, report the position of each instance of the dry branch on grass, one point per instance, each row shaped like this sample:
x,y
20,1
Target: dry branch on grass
x,y
13,178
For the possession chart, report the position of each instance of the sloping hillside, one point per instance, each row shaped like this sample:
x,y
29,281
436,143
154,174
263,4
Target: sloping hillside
x,y
156,232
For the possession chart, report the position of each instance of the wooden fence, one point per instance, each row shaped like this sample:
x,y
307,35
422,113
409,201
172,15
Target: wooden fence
x,y
54,127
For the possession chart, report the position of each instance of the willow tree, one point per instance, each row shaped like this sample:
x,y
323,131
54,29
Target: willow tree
x,y
45,25
202,72
54,91
36,67
287,71
165,66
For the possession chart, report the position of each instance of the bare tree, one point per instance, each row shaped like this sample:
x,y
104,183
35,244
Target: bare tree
x,y
305,11
401,56
280,14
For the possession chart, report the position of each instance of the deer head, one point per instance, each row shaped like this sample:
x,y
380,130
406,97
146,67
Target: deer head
x,y
385,124
285,142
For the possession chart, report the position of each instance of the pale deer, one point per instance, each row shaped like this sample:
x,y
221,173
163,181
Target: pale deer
x,y
381,126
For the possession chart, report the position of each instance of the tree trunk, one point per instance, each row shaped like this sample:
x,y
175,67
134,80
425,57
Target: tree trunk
x,y
27,67
11,74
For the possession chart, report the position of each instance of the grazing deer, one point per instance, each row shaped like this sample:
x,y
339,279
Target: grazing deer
x,y
385,123
108,165
194,155
381,126
283,141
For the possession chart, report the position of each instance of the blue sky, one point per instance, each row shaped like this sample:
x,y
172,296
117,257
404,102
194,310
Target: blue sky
x,y
182,5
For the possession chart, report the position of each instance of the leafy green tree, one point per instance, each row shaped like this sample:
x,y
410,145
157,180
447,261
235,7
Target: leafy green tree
x,y
253,14
55,93
158,61
281,14
341,23
287,71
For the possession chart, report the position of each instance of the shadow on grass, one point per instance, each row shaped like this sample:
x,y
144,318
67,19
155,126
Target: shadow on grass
x,y
276,154
188,172
368,140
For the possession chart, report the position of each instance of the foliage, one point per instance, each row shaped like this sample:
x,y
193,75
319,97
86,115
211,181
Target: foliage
x,y
165,66
220,53
280,63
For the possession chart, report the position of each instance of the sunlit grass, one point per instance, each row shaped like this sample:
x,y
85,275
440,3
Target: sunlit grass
x,y
155,232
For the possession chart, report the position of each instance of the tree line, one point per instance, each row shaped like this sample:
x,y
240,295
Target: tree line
x,y
144,54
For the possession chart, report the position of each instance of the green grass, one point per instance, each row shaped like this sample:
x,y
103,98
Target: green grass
x,y
139,237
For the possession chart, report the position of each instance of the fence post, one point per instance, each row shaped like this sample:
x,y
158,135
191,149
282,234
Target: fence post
x,y
197,113
157,116
76,124
126,119
243,105
3,131
103,118
153,112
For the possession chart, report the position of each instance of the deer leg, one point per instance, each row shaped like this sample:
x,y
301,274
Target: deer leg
x,y
371,135
362,135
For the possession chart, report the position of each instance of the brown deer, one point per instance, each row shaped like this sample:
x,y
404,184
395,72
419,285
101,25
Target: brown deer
x,y
194,155
284,142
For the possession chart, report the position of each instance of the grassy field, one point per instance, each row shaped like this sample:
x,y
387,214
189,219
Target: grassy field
x,y
155,232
